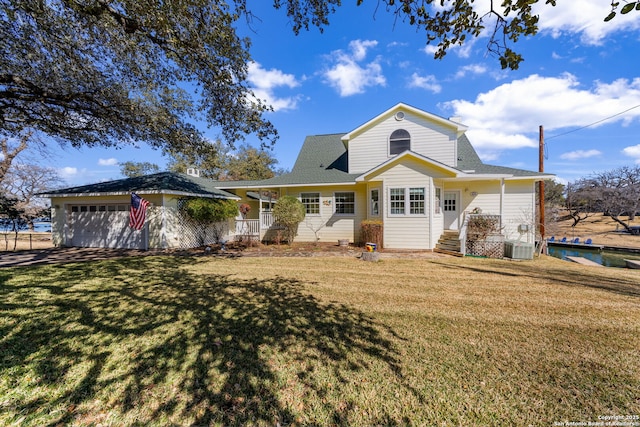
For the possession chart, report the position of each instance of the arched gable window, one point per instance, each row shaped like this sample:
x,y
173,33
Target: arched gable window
x,y
399,141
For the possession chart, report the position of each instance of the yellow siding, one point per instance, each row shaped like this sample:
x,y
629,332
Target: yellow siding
x,y
329,226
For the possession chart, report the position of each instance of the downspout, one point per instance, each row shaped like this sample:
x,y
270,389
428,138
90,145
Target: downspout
x,y
501,201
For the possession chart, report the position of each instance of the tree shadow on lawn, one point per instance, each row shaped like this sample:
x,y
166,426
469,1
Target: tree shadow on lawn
x,y
568,277
174,347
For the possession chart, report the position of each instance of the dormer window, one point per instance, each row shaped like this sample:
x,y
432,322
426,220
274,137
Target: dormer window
x,y
399,141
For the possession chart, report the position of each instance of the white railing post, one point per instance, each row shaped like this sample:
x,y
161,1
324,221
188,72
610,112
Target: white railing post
x,y
463,234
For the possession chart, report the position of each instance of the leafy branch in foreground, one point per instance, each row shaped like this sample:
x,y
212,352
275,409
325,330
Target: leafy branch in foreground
x,y
628,7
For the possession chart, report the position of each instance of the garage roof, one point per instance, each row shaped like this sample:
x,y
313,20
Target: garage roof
x,y
158,183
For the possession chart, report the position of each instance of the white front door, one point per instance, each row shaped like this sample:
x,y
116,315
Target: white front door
x,y
451,207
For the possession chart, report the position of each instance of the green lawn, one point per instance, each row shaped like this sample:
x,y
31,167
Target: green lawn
x,y
317,341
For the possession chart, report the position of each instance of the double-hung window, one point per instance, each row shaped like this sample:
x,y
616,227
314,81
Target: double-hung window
x,y
416,201
311,202
396,201
407,201
345,202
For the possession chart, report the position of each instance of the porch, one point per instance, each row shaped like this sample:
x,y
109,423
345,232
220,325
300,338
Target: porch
x,y
254,229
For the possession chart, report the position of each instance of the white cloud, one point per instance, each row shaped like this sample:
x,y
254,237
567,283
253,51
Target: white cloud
x,y
580,154
584,17
509,116
265,82
108,162
348,76
470,69
633,152
429,83
462,51
68,172
359,48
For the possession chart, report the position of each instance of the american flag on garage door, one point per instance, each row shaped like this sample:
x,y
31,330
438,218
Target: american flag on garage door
x,y
138,211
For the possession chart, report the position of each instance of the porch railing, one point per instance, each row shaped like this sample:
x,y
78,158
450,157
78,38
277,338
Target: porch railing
x,y
266,219
248,227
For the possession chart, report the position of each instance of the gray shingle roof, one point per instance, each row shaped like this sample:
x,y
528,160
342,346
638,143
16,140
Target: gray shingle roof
x,y
322,160
468,160
163,182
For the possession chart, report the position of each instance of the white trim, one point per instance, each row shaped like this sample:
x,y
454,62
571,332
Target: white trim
x,y
407,202
398,158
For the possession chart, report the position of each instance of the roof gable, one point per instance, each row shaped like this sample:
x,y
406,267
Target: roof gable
x,y
402,108
400,158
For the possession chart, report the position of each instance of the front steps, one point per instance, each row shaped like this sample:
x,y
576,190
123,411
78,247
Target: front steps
x,y
449,243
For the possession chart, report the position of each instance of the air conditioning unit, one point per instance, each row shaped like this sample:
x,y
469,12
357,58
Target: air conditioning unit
x,y
518,250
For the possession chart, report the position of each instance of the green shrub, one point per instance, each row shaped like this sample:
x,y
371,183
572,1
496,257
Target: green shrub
x,y
289,212
205,212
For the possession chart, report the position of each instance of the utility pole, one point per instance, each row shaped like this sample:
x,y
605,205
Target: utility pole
x,y
541,185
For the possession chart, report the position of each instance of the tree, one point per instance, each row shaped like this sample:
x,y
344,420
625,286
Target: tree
x,y
219,163
210,161
289,212
133,169
614,193
250,163
628,7
106,73
617,192
445,22
10,152
580,200
448,22
205,212
23,183
11,218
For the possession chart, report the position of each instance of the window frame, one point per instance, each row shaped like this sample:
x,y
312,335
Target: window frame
x,y
309,204
405,140
374,205
402,202
342,203
417,204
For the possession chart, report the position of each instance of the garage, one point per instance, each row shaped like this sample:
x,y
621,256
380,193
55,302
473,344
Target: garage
x,y
103,226
97,215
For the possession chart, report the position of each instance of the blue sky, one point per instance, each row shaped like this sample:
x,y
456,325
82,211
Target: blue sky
x,y
580,80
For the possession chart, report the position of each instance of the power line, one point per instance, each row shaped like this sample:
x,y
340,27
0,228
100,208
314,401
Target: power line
x,y
593,124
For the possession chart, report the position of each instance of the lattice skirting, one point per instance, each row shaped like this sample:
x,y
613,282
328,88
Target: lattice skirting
x,y
490,249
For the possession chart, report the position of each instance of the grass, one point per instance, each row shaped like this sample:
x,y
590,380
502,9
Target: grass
x,y
159,341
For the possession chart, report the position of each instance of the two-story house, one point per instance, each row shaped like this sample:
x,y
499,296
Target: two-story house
x,y
415,172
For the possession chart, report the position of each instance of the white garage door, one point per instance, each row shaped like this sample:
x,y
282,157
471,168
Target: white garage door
x,y
103,227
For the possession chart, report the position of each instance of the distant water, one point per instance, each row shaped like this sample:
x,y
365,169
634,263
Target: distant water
x,y
39,226
606,258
